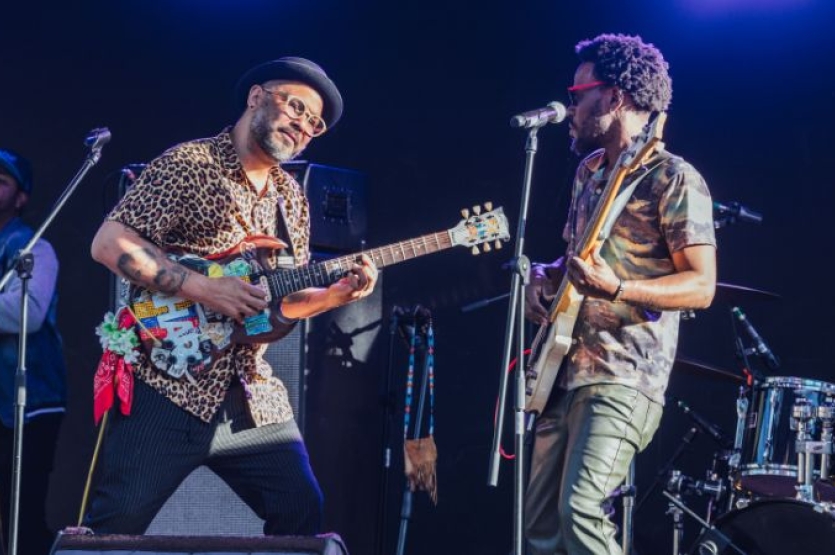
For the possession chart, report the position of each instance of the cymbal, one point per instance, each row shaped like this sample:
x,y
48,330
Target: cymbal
x,y
729,293
701,369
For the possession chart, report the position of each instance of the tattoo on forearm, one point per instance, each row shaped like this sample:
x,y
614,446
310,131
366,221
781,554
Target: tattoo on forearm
x,y
299,297
149,267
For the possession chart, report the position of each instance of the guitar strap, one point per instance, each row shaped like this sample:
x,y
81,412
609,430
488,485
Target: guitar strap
x,y
286,259
623,197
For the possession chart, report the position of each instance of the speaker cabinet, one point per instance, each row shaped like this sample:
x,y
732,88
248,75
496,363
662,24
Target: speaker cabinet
x,y
68,544
338,204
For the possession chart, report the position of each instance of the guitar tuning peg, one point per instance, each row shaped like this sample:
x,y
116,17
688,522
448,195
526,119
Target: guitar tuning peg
x,y
488,206
476,210
475,250
498,245
465,212
486,247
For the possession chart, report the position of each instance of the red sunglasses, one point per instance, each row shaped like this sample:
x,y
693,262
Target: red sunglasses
x,y
583,87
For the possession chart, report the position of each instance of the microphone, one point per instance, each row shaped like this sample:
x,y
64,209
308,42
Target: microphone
x,y
132,171
554,112
97,138
739,212
710,429
760,347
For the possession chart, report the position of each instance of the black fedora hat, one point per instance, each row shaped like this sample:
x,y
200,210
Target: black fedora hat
x,y
291,68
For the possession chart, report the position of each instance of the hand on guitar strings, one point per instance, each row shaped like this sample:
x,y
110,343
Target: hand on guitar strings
x,y
594,277
357,283
543,285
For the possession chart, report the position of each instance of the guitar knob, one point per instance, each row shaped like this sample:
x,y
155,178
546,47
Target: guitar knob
x,y
476,210
497,244
465,212
475,250
486,247
488,206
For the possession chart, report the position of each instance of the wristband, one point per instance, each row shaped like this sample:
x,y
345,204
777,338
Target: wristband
x,y
618,292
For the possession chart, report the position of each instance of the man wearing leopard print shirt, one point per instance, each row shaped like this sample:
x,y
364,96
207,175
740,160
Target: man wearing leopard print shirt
x,y
659,258
203,197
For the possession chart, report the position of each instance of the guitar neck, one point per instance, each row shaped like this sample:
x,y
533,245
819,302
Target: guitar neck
x,y
322,274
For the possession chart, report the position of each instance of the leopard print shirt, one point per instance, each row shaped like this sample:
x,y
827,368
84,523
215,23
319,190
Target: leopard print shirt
x,y
195,198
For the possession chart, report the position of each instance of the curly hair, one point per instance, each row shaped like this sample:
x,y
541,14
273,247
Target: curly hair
x,y
633,66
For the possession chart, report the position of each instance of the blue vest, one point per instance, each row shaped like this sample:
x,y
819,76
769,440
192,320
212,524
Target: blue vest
x,y
45,367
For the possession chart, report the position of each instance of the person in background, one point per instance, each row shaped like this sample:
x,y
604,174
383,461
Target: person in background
x,y
45,366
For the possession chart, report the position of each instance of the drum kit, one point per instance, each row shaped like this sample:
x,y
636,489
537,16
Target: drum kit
x,y
771,487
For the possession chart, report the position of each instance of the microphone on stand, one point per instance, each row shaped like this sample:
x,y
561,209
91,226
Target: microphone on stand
x,y
712,430
734,211
760,346
97,138
554,112
132,171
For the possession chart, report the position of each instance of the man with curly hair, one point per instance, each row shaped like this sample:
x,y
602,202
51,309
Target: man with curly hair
x,y
659,259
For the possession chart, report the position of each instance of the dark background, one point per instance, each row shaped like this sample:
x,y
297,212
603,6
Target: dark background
x,y
429,87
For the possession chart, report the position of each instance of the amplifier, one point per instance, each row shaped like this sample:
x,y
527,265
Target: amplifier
x,y
338,205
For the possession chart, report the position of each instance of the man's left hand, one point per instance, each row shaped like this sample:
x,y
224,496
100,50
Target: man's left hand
x,y
358,283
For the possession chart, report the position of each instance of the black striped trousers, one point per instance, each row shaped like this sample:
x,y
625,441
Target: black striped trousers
x,y
146,455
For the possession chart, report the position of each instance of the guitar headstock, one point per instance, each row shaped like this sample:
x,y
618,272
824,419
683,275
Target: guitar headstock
x,y
481,228
643,144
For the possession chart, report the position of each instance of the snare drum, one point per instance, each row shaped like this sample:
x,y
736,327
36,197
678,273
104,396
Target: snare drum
x,y
768,461
773,527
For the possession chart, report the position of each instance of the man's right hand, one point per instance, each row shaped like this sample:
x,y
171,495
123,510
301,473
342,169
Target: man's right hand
x,y
544,281
230,296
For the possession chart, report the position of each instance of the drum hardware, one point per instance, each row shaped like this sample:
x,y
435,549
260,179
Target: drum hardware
x,y
783,437
826,414
774,527
686,440
803,416
712,541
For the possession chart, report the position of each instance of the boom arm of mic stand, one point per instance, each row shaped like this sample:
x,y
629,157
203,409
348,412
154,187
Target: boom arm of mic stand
x,y
514,327
91,160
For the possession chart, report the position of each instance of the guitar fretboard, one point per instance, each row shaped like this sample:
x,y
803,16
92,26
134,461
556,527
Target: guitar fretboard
x,y
322,274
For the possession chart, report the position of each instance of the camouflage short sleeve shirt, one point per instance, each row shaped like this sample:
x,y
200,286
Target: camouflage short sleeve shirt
x,y
670,209
195,198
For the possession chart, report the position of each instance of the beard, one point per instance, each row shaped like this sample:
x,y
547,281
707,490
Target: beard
x,y
262,132
589,136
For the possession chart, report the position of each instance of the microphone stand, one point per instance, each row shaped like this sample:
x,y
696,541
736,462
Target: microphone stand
x,y
514,327
23,265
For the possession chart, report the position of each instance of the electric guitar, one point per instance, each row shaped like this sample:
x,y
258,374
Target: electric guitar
x,y
554,339
183,338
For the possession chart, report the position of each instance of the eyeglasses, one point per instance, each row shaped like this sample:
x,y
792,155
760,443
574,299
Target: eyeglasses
x,y
297,109
572,97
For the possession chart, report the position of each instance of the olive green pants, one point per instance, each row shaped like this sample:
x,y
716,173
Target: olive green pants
x,y
583,444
